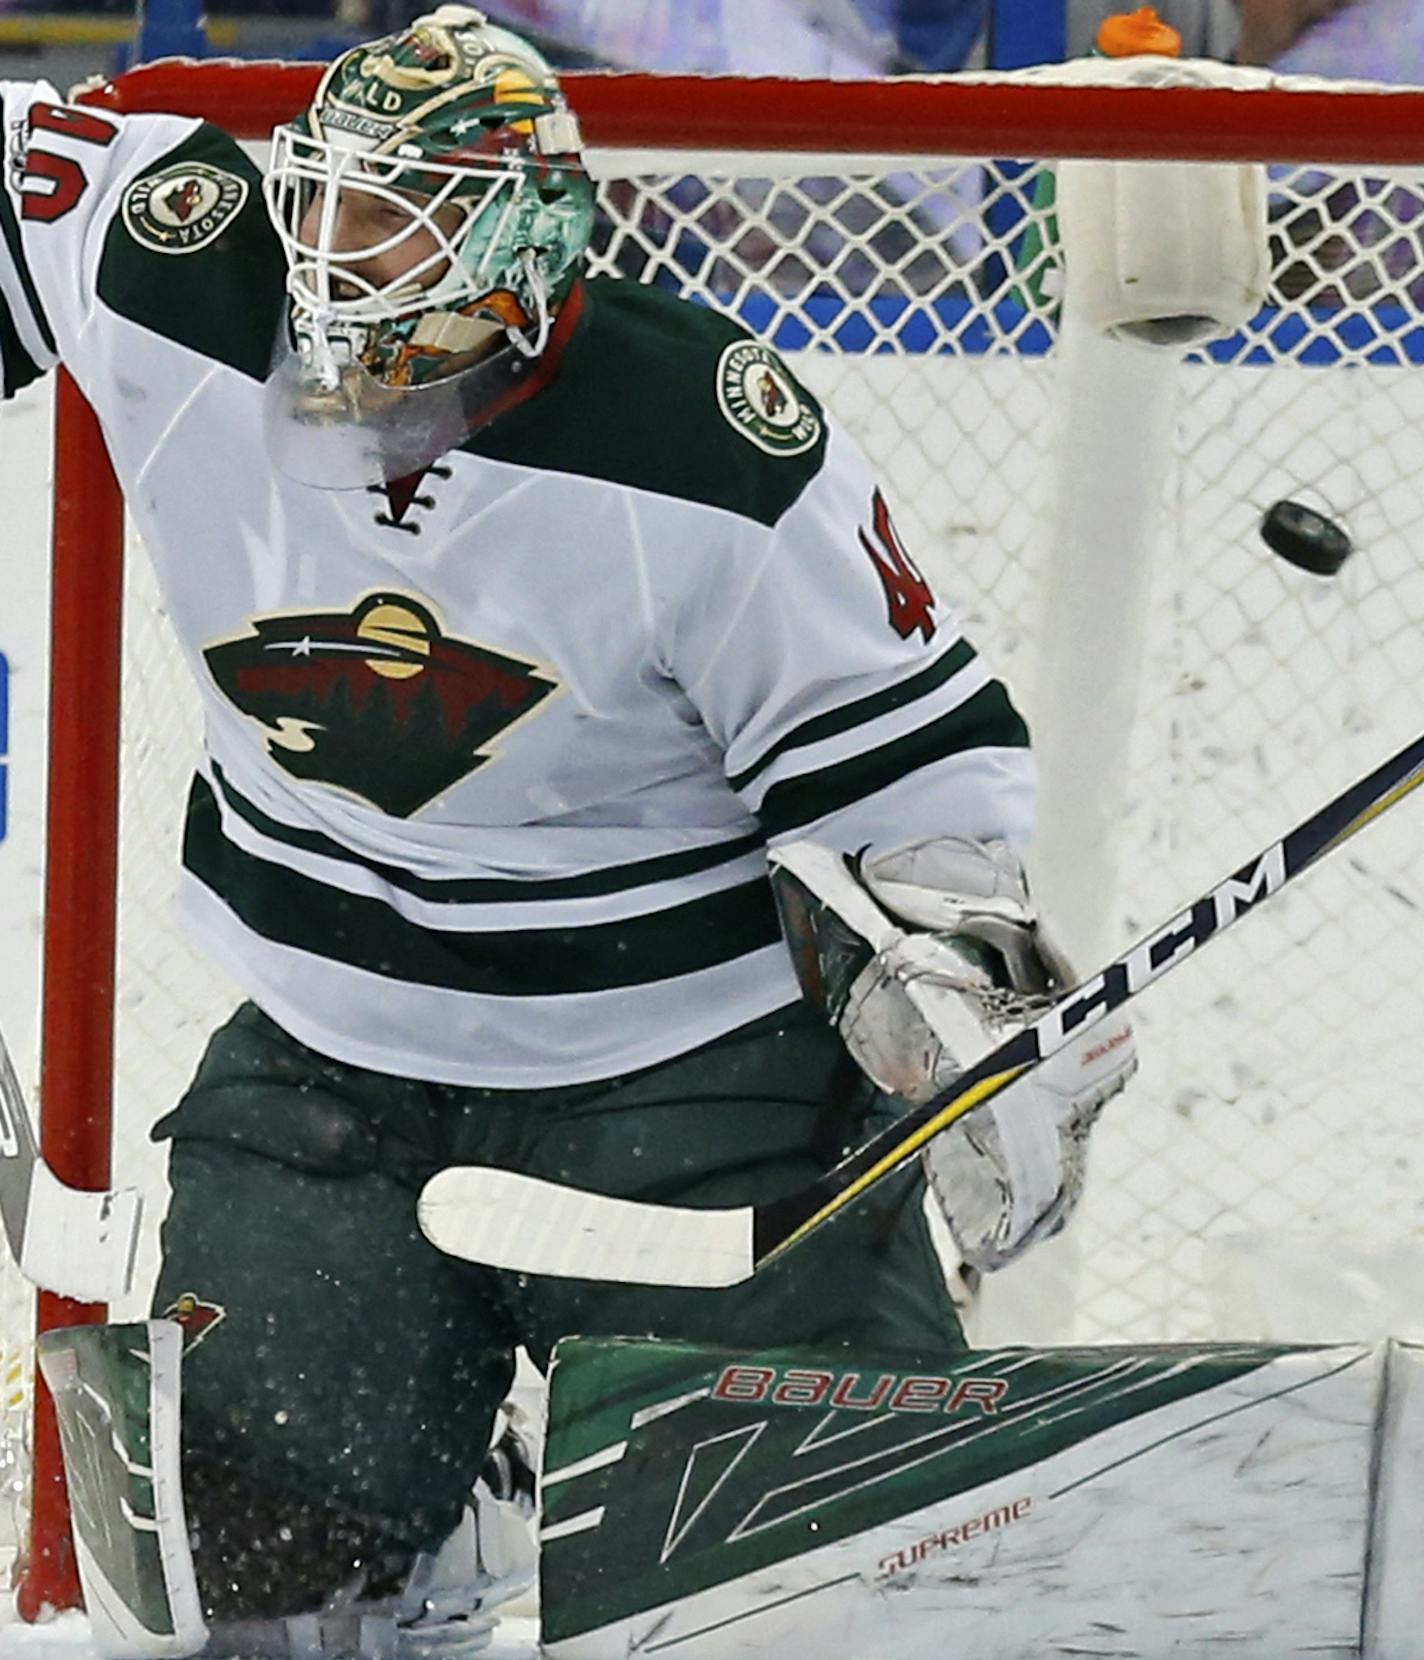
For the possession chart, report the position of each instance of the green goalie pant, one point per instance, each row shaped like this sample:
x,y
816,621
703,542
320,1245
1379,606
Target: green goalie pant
x,y
336,1356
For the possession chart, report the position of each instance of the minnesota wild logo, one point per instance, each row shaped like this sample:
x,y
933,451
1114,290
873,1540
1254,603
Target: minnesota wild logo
x,y
182,208
377,700
196,1315
760,399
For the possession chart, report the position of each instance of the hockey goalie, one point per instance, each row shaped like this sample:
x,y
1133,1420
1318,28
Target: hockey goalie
x,y
550,635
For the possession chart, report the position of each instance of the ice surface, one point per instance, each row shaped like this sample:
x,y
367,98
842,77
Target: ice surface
x,y
67,1638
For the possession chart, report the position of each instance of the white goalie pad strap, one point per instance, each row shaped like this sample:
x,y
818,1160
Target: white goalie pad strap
x,y
490,1559
823,870
65,1239
80,1244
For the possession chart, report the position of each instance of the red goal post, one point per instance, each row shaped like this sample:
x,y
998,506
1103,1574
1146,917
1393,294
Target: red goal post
x,y
913,116
835,126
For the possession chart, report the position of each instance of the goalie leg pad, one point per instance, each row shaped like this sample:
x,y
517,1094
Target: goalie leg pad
x,y
1186,1500
116,1391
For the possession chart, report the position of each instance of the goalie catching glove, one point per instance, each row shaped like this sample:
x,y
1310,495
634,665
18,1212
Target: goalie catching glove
x,y
925,958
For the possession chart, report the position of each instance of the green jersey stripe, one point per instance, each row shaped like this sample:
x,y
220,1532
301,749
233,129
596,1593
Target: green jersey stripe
x,y
463,890
10,230
988,720
864,709
291,909
18,367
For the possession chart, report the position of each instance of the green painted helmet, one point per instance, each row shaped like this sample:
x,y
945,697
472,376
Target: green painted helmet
x,y
432,201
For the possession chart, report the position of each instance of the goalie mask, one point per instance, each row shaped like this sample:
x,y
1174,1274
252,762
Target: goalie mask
x,y
434,210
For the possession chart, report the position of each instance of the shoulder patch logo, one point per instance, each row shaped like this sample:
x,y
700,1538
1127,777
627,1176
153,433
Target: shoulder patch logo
x,y
183,208
760,400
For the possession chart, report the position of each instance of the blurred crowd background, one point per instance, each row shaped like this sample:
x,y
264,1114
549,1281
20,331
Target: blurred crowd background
x,y
70,42
1382,39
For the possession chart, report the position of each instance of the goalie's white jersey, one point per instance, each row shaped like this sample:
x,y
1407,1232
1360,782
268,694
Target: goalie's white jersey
x,y
493,755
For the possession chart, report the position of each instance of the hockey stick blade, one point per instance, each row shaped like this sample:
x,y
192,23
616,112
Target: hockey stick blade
x,y
517,1222
538,1227
63,1239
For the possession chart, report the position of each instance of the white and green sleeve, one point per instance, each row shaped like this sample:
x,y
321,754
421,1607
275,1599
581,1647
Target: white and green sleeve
x,y
847,701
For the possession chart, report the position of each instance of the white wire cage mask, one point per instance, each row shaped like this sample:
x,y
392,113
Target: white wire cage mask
x,y
339,412
449,259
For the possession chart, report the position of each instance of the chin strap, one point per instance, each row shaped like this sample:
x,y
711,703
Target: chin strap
x,y
543,317
314,333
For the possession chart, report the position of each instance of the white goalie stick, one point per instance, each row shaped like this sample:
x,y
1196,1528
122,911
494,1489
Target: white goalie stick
x,y
80,1244
537,1227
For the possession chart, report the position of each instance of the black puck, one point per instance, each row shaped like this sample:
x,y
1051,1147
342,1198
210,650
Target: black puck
x,y
1306,538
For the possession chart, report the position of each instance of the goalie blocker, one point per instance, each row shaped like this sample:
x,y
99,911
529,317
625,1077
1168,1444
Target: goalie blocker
x,y
1161,1500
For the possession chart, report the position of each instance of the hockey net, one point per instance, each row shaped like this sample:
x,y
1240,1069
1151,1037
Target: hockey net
x,y
1262,1177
